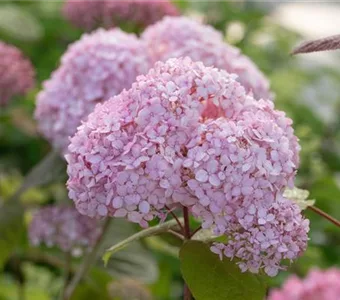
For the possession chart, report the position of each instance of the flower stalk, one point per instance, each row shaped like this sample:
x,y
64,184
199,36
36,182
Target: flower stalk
x,y
187,236
85,266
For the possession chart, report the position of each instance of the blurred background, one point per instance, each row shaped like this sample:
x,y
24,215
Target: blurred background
x,y
307,88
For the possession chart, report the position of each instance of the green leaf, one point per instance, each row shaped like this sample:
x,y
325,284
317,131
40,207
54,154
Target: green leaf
x,y
158,244
95,286
12,210
131,258
47,170
19,23
210,278
11,228
207,235
164,227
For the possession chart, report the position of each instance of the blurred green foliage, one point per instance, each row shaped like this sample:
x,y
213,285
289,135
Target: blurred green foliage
x,y
308,92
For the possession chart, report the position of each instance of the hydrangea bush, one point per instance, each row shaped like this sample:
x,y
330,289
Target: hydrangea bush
x,y
319,284
189,135
175,37
93,69
16,73
174,131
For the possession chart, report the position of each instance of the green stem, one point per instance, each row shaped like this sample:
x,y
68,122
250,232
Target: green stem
x,y
21,291
164,227
187,235
67,272
88,261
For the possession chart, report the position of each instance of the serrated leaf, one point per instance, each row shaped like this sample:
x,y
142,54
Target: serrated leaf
x,y
210,278
19,23
299,196
163,227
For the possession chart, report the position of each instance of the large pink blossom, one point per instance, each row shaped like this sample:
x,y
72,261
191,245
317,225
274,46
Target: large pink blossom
x,y
90,14
93,69
16,73
181,36
190,135
318,285
127,158
63,227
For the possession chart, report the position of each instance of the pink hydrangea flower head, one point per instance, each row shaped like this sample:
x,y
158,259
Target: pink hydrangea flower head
x,y
63,227
93,69
261,236
127,158
319,284
91,14
190,135
181,36
16,73
85,14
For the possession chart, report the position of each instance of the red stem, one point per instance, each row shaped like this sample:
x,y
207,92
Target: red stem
x,y
175,217
325,215
196,230
186,232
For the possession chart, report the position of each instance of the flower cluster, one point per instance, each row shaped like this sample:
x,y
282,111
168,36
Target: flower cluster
x,y
93,69
316,286
90,14
16,73
190,135
63,227
175,37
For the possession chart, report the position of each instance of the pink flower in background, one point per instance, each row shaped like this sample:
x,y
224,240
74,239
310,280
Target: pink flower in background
x,y
181,36
63,227
93,69
318,285
190,135
90,14
16,73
